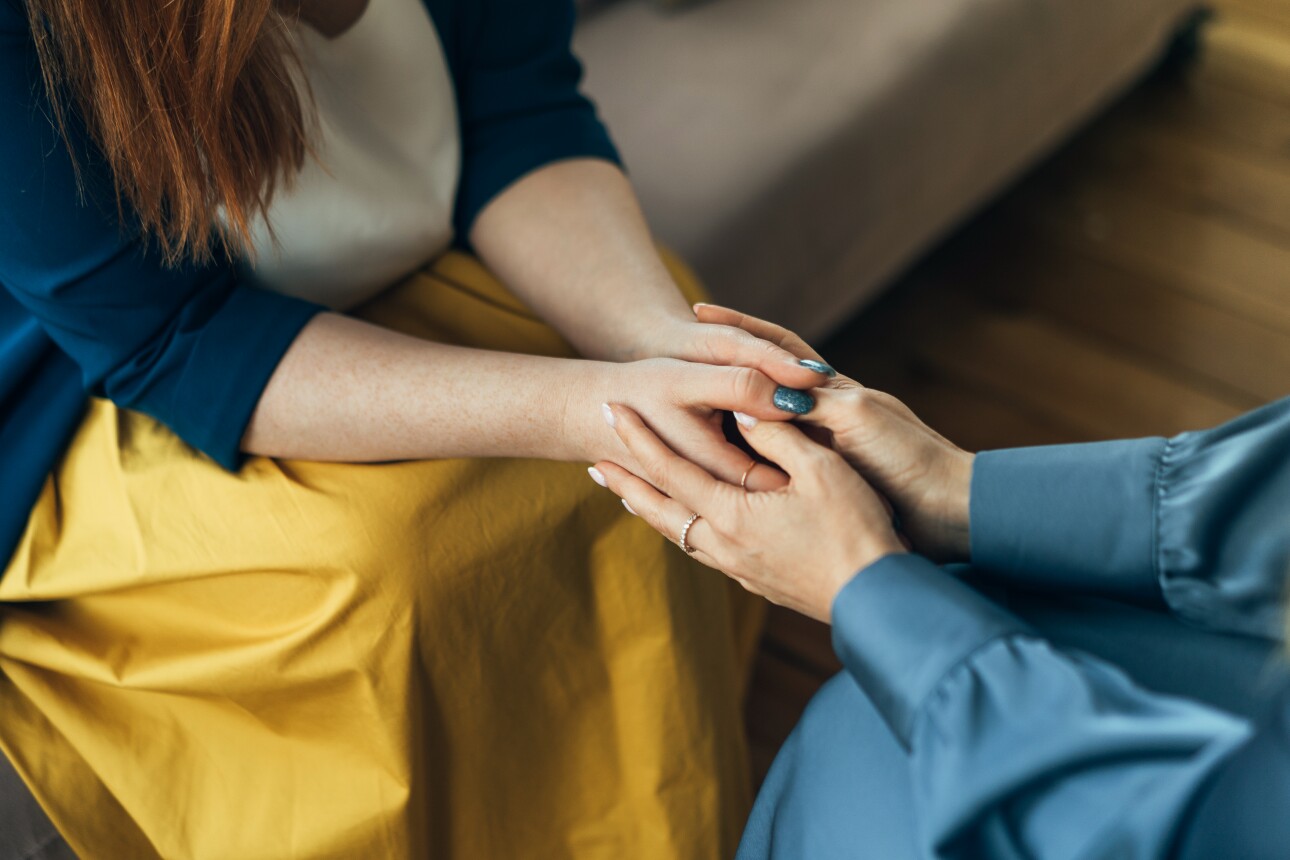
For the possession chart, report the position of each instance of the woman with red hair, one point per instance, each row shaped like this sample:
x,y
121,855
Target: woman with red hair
x,y
293,299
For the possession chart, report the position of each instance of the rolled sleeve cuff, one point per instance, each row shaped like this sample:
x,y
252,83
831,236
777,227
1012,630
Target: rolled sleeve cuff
x,y
1068,517
902,624
238,351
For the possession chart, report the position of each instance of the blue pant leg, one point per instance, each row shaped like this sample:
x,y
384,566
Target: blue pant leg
x,y
839,788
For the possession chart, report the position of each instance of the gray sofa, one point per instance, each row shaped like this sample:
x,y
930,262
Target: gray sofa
x,y
799,153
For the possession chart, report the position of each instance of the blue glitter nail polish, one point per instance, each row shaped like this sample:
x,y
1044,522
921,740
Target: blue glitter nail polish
x,y
818,367
791,400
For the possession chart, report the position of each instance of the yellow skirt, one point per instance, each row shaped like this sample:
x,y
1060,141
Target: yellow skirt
x,y
451,659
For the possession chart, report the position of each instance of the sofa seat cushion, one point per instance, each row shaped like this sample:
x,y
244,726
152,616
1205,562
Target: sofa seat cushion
x,y
800,153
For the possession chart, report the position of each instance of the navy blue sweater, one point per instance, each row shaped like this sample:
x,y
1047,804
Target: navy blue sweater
x,y
88,309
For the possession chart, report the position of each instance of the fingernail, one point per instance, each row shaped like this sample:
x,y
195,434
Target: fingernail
x,y
745,420
818,367
792,400
608,414
597,476
629,509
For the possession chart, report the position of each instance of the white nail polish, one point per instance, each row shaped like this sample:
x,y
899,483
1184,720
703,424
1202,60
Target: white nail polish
x,y
608,414
745,420
629,509
597,476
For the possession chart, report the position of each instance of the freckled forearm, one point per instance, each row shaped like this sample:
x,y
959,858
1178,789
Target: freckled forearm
x,y
354,392
571,241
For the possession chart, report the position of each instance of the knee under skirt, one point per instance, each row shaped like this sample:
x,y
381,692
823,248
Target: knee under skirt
x,y
452,659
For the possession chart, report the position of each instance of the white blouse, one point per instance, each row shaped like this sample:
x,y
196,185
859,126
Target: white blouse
x,y
377,201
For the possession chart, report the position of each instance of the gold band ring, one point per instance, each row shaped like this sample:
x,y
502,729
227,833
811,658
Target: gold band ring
x,y
743,482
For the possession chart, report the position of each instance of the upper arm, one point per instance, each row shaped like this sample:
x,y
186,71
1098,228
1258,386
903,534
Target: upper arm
x,y
517,84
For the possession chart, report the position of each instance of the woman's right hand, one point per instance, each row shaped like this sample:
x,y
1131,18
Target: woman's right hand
x,y
797,546
684,404
926,477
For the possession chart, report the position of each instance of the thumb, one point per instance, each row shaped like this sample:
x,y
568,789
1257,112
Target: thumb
x,y
786,446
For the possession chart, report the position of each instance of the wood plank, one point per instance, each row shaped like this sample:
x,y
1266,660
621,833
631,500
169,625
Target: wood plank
x,y
977,419
1275,12
1208,259
1195,173
1248,51
761,755
878,351
1207,109
780,692
1219,349
803,641
1079,382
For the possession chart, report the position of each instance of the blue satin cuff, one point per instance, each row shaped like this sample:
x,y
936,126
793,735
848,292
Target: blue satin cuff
x,y
901,624
1070,517
1223,533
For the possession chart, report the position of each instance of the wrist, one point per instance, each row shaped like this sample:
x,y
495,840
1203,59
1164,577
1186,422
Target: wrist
x,y
957,514
936,516
586,436
664,333
862,561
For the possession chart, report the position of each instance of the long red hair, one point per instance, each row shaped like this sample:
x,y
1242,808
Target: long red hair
x,y
195,104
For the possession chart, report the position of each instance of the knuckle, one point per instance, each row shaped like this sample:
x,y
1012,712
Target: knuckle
x,y
656,521
860,401
721,345
748,385
820,460
652,465
828,459
874,398
765,347
660,471
868,399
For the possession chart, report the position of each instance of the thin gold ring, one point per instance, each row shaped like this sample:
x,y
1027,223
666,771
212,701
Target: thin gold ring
x,y
685,533
743,482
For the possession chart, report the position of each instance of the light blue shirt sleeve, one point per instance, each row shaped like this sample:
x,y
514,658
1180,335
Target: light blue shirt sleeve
x,y
1016,749
1197,522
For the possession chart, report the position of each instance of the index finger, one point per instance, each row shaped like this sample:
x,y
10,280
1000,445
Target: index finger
x,y
788,447
664,468
730,345
768,331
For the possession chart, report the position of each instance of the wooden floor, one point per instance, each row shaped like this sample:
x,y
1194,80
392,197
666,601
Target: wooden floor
x,y
1138,283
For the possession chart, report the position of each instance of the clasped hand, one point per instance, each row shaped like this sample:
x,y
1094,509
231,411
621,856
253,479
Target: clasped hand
x,y
692,374
799,537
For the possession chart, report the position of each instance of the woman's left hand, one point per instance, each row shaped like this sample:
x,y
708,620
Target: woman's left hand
x,y
796,546
689,339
